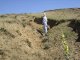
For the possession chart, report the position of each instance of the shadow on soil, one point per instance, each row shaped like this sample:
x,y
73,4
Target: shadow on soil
x,y
76,28
51,22
74,24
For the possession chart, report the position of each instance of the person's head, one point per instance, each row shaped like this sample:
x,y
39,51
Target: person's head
x,y
44,14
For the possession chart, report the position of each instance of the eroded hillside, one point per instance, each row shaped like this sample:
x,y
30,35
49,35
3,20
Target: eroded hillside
x,y
21,36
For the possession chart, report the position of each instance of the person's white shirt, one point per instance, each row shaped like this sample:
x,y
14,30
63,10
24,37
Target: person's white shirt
x,y
44,19
45,23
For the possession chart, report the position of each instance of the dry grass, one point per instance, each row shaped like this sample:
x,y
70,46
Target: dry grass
x,y
63,14
21,35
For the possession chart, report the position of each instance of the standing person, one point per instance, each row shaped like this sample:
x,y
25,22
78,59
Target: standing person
x,y
44,21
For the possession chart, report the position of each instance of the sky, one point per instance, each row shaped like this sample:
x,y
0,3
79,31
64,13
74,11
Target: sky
x,y
34,6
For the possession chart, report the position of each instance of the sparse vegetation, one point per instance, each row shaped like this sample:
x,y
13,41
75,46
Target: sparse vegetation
x,y
6,32
24,23
18,32
3,16
29,43
22,36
